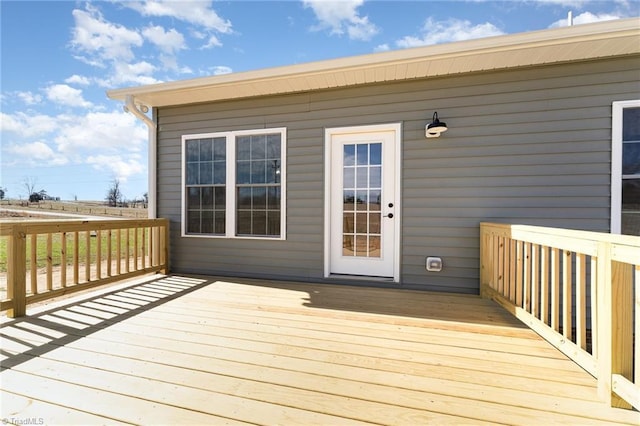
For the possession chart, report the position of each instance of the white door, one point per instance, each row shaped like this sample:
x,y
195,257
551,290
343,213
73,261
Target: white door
x,y
363,206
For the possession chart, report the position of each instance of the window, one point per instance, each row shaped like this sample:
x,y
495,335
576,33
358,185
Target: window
x,y
625,176
233,184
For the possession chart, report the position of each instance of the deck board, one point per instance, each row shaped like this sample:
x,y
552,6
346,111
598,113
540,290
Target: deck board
x,y
201,350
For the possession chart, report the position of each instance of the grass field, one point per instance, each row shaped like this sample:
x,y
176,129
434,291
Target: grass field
x,y
57,245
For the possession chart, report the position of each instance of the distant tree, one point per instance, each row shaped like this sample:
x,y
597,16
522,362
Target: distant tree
x,y
146,199
3,192
30,185
114,194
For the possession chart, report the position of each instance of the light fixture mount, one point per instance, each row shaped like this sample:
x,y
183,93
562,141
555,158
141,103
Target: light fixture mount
x,y
436,127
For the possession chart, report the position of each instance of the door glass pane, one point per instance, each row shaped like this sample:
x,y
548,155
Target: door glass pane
x,y
361,212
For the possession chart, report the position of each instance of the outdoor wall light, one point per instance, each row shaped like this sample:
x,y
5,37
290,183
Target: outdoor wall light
x,y
436,127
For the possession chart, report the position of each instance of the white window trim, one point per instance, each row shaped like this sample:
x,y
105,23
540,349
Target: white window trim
x,y
230,208
616,162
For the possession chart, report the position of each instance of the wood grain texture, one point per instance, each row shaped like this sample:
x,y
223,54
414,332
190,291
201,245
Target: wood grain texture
x,y
207,350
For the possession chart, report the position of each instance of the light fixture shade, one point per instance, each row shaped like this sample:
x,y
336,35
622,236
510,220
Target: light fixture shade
x,y
436,125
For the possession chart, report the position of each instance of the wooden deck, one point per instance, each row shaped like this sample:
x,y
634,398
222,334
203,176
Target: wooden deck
x,y
203,350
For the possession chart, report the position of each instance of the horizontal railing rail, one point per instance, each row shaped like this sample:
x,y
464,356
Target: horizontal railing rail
x,y
47,259
579,290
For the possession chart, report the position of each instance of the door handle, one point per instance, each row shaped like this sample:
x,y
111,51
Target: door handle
x,y
390,215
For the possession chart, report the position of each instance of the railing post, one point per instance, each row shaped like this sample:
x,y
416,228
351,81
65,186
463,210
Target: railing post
x,y
486,263
613,293
17,272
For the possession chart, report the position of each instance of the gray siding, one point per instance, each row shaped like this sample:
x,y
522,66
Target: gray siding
x,y
526,146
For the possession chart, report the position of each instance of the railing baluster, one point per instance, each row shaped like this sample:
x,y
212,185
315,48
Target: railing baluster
x,y
544,284
567,295
76,255
98,254
534,280
581,303
33,263
127,252
555,289
49,262
109,252
135,249
87,266
63,259
119,248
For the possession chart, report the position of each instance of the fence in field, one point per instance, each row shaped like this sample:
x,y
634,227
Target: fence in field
x,y
46,259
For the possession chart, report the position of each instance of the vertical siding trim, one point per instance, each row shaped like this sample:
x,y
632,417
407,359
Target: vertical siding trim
x,y
616,162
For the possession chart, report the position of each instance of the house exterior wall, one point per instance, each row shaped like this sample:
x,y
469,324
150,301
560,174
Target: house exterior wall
x,y
528,146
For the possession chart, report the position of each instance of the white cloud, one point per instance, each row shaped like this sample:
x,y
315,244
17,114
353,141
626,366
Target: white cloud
x,y
121,168
78,79
382,48
167,41
27,125
219,70
198,13
101,40
585,18
38,153
100,132
29,98
213,42
126,73
342,17
66,95
435,32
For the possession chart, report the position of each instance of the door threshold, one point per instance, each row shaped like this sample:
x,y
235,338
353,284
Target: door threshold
x,y
362,278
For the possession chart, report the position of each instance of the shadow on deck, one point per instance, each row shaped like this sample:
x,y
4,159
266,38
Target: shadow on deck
x,y
207,350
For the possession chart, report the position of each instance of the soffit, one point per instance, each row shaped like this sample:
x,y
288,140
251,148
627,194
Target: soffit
x,y
568,44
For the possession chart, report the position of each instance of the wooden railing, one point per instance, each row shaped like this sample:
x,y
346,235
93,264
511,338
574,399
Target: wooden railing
x,y
579,290
46,259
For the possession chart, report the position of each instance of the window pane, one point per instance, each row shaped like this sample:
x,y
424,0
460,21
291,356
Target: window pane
x,y
220,149
374,223
349,177
259,198
206,173
348,223
361,200
259,225
207,198
244,198
193,150
243,172
273,171
362,177
631,206
207,222
258,172
375,177
273,198
374,200
193,198
206,149
349,158
193,221
219,222
631,158
220,197
376,153
219,172
243,148
243,223
348,199
273,223
192,173
258,147
273,147
361,223
631,124
363,154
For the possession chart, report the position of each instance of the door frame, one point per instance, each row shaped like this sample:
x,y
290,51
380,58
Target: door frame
x,y
328,147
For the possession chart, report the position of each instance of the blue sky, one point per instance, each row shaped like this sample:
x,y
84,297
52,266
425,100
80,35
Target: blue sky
x,y
58,58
